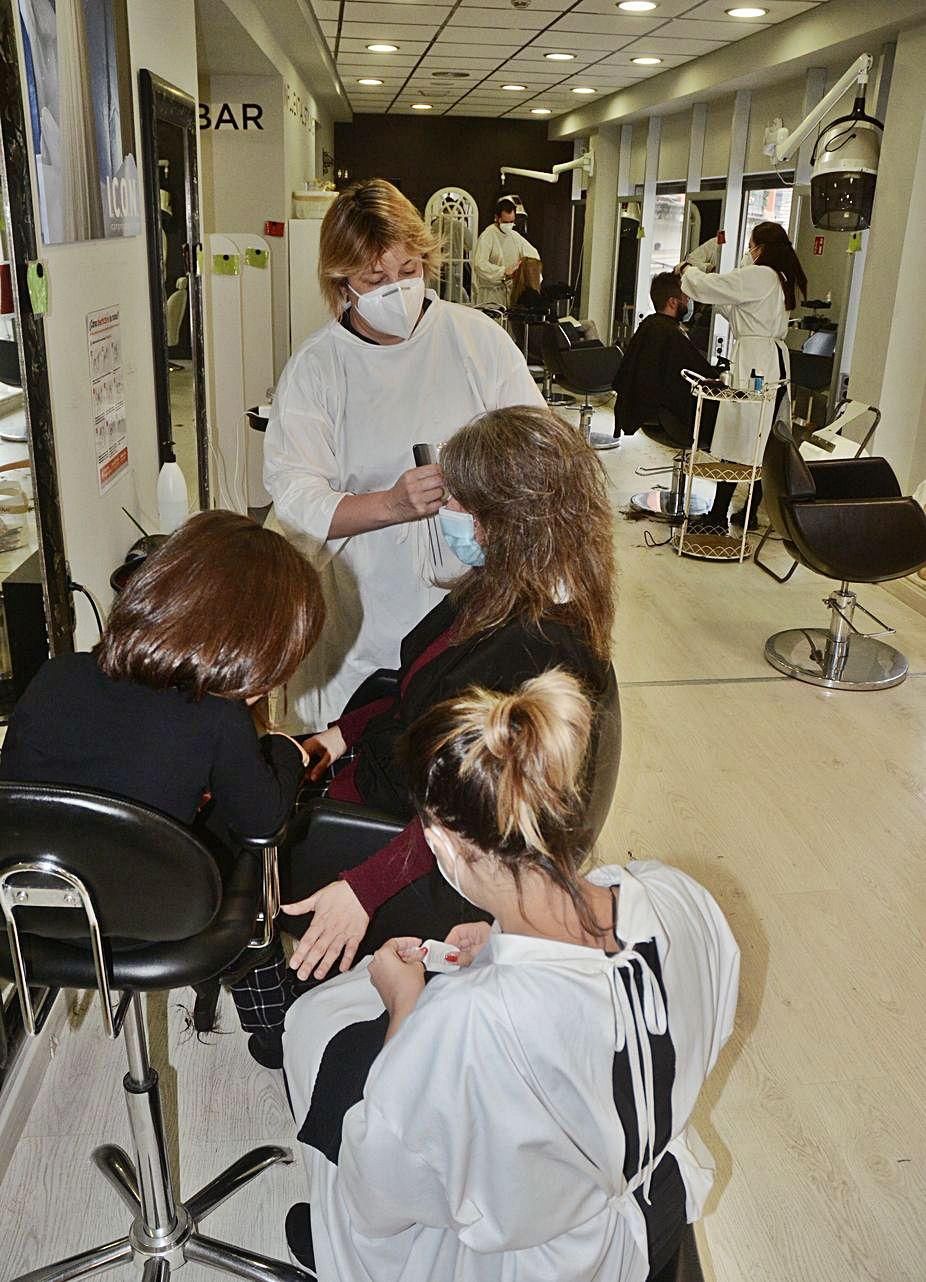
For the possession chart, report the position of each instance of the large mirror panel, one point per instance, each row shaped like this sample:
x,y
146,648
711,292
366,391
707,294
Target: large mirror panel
x,y
171,176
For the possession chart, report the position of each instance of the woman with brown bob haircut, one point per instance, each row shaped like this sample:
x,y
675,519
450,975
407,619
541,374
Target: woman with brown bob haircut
x,y
540,596
395,367
161,711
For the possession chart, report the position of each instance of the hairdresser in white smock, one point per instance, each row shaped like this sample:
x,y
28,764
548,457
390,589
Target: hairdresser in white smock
x,y
396,366
528,1117
755,299
498,255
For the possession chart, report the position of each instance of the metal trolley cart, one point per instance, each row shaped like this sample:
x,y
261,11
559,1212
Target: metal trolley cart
x,y
703,545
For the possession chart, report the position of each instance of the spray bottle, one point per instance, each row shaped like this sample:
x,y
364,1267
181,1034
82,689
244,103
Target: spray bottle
x,y
173,500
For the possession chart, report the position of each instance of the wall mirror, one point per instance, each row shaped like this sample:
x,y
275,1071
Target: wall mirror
x,y
171,178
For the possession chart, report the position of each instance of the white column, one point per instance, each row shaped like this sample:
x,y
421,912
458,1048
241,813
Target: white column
x,y
887,359
601,231
650,178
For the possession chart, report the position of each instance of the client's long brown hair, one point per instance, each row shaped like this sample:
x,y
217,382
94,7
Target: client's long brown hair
x,y
538,490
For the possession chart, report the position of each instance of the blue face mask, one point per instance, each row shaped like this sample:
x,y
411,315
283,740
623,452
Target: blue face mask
x,y
459,531
688,313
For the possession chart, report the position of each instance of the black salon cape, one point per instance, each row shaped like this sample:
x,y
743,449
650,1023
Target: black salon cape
x,y
650,379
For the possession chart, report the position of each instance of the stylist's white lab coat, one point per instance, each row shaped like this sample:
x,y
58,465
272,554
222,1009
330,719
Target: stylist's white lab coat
x,y
345,417
487,1146
497,252
752,300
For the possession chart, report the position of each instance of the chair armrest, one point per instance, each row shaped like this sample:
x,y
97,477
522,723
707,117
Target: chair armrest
x,y
266,848
332,834
854,478
380,684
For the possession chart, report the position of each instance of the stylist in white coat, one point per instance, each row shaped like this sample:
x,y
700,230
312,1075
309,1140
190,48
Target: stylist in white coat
x,y
395,366
755,298
498,255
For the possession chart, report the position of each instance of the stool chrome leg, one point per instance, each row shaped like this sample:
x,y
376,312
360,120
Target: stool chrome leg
x,y
117,1167
84,1265
240,1262
233,1178
156,1270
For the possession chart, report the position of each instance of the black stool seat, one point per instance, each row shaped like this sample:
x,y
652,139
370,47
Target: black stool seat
x,y
99,892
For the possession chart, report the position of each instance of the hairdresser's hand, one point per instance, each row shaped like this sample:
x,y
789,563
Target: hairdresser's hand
x,y
470,937
323,749
418,492
397,974
339,924
510,271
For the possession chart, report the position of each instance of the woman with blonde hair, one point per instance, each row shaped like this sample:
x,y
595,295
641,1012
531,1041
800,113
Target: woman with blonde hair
x,y
525,1116
395,367
529,515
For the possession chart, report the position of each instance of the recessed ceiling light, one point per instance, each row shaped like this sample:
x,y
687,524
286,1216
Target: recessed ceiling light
x,y
747,11
646,62
560,57
383,48
637,6
369,80
582,89
421,106
515,88
541,111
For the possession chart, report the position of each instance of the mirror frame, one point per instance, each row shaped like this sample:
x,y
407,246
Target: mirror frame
x,y
59,610
159,101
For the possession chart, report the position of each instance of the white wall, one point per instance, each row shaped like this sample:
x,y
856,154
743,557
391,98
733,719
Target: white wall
x,y
87,277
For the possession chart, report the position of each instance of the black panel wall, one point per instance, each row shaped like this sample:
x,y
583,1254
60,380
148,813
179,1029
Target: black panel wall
x,y
421,155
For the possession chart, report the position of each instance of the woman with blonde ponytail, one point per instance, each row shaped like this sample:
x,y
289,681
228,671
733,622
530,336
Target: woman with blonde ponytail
x,y
524,1117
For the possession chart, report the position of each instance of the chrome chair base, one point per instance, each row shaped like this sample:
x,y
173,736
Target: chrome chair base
x,y
668,505
861,663
164,1233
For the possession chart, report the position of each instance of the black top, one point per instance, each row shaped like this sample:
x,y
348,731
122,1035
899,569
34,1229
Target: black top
x,y
649,378
500,660
74,725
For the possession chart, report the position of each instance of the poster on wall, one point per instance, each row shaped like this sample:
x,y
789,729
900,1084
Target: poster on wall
x,y
79,80
107,396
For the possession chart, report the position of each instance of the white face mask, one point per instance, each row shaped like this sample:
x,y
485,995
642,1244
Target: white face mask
x,y
393,308
443,850
747,260
506,227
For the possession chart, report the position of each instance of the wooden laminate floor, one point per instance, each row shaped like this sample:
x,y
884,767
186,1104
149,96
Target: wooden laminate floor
x,y
803,811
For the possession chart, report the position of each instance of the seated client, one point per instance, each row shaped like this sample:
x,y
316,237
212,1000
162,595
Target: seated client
x,y
162,710
528,1114
530,516
649,383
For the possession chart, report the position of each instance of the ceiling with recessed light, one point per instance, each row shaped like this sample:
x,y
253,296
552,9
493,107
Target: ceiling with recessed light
x,y
457,55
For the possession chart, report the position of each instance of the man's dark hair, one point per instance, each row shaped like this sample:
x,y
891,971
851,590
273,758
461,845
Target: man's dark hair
x,y
505,206
663,287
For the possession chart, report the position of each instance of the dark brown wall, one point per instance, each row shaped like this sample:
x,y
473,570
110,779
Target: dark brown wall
x,y
422,155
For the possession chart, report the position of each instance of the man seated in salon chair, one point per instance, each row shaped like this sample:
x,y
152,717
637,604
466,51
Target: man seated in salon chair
x,y
649,383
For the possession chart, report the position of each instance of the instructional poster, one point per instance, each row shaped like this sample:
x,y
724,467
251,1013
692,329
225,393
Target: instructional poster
x,y
107,396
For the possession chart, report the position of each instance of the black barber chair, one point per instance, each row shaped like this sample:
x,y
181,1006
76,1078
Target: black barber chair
x,y
587,368
847,520
76,864
331,827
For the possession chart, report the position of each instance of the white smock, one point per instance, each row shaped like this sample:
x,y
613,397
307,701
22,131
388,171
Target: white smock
x,y
345,416
752,300
497,252
487,1146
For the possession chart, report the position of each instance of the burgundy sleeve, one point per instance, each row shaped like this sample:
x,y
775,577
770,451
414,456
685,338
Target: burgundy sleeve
x,y
353,724
406,858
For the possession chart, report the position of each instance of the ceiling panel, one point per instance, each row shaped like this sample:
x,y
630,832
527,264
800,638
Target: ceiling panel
x,y
498,43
